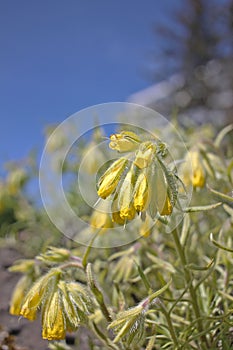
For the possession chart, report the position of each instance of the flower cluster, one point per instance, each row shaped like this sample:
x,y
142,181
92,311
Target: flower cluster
x,y
64,305
139,180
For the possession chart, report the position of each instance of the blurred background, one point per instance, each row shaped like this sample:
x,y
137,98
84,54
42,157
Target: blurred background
x,y
58,57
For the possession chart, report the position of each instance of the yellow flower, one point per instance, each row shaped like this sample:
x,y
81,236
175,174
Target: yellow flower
x,y
193,170
126,141
110,179
198,175
138,188
145,155
167,207
125,202
141,194
31,302
116,212
100,217
19,294
34,298
161,192
53,322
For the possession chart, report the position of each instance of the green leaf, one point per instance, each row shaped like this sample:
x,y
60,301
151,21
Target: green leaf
x,y
87,252
143,277
222,134
200,268
222,196
229,170
97,292
164,265
219,245
159,292
202,208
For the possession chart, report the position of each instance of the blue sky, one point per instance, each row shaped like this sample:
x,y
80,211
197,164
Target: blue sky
x,y
58,57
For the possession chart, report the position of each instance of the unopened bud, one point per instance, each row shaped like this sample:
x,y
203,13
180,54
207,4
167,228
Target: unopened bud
x,y
53,322
127,210
141,194
110,179
126,141
145,155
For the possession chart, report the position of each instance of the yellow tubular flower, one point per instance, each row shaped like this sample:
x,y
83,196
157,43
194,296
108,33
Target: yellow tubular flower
x,y
127,210
198,175
167,208
110,179
31,302
145,155
126,141
34,297
116,212
100,217
162,199
141,194
53,323
18,296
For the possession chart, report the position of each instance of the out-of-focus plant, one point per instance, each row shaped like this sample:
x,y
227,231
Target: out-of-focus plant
x,y
165,291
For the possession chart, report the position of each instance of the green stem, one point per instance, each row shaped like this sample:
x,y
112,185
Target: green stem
x,y
102,337
170,325
192,291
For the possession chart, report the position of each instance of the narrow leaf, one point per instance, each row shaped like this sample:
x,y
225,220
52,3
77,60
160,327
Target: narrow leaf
x,y
160,291
202,208
219,245
222,134
222,196
143,277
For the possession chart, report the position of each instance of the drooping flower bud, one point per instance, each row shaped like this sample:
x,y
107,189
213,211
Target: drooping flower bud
x,y
126,141
198,175
161,192
53,321
145,155
19,294
100,218
70,314
34,298
167,207
110,179
125,202
192,171
116,211
141,193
